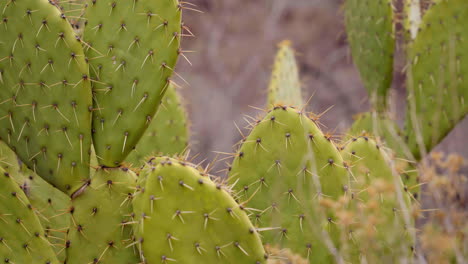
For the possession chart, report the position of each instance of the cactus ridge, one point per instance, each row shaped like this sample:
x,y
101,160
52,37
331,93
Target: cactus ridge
x,y
370,29
22,239
45,94
285,86
168,132
202,225
101,218
285,169
438,64
379,230
48,203
132,51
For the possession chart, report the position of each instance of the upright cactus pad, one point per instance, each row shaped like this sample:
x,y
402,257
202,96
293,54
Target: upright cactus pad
x,y
132,48
49,204
101,220
284,171
184,217
45,95
387,131
285,86
369,24
437,70
168,132
379,230
22,239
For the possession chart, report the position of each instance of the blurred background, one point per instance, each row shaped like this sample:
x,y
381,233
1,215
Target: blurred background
x,y
231,58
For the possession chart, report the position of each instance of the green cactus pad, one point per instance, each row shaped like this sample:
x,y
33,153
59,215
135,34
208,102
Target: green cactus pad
x,y
168,132
132,47
379,230
283,171
387,131
22,239
45,93
285,86
49,204
101,220
437,70
184,217
369,24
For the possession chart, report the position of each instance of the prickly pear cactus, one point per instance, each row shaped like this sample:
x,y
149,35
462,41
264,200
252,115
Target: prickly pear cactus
x,y
382,226
168,132
45,95
49,204
285,86
132,48
184,217
387,131
101,220
370,29
22,239
286,173
438,64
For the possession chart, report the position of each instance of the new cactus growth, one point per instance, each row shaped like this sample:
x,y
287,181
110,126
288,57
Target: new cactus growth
x,y
101,218
284,172
132,51
45,93
22,238
168,132
202,225
438,64
285,86
370,29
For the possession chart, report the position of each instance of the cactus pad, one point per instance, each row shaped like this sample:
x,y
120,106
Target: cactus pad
x,y
168,132
49,204
369,24
385,130
437,83
45,94
283,171
22,239
101,218
132,47
202,224
379,230
285,86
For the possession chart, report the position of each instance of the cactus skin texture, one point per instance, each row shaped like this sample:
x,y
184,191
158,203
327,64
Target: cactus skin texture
x,y
22,239
379,231
168,132
438,64
132,48
285,86
48,203
45,93
387,131
184,217
100,231
370,29
276,172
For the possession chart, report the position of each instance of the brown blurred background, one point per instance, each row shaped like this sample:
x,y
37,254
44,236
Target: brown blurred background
x,y
234,47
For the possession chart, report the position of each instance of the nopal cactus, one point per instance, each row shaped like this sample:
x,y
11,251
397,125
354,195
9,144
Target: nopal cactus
x,y
45,93
202,225
291,188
